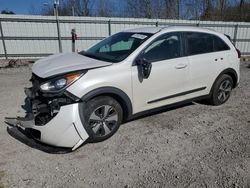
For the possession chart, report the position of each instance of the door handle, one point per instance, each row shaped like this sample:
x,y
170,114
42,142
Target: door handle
x,y
181,66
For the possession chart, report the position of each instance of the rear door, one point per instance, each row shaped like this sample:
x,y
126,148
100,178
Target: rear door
x,y
207,59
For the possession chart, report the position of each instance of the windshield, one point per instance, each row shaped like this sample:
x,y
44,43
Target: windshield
x,y
117,47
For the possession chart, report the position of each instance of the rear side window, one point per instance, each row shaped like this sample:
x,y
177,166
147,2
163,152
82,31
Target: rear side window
x,y
200,43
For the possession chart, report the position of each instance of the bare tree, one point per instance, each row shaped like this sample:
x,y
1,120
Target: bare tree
x,y
147,8
85,7
105,9
82,7
240,8
67,7
224,10
207,10
193,9
221,6
139,8
132,9
172,8
159,9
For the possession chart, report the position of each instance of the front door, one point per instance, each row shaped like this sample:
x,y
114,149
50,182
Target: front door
x,y
169,77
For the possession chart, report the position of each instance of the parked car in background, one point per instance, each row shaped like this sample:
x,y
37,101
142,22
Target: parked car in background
x,y
86,96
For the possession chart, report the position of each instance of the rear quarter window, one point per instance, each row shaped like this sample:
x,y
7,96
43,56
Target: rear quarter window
x,y
200,43
219,44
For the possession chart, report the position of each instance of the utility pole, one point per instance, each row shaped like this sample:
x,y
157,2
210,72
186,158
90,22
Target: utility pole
x,y
56,5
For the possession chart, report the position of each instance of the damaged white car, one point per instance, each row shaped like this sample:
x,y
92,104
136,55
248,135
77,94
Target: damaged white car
x,y
82,97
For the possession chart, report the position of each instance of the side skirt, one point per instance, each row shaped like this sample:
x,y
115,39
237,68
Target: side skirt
x,y
166,107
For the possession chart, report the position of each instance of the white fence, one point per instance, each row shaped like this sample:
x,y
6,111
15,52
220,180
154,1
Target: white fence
x,y
37,36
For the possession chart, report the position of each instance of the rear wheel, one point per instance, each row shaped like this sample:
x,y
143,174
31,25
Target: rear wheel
x,y
221,90
102,118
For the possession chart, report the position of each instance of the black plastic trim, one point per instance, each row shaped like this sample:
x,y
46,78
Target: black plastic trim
x,y
71,96
177,95
26,137
167,107
77,131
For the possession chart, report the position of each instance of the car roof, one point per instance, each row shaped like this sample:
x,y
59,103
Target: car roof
x,y
145,30
155,29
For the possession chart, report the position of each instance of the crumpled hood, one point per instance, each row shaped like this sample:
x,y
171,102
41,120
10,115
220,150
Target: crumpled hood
x,y
63,63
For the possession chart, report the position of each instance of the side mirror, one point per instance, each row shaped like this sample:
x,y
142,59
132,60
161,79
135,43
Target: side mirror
x,y
144,67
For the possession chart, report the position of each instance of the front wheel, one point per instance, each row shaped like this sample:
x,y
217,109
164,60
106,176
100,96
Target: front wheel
x,y
102,118
221,90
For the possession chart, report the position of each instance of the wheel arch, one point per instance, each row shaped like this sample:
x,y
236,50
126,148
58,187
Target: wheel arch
x,y
231,72
120,96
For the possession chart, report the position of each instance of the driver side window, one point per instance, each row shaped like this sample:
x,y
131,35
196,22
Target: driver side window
x,y
165,47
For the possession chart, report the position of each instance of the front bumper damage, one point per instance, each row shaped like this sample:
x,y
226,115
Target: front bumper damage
x,y
52,119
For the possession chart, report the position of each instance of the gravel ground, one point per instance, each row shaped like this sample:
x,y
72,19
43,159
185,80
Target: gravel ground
x,y
191,146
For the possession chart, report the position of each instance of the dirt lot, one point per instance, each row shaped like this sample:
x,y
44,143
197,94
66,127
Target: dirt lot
x,y
191,146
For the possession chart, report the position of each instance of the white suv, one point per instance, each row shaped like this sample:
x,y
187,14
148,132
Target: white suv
x,y
86,96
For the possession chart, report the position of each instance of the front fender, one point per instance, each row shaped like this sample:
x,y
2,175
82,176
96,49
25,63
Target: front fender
x,y
116,93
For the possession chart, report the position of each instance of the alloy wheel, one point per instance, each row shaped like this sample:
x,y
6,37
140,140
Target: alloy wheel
x,y
103,120
224,90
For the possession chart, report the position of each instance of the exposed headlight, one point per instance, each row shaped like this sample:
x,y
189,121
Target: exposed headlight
x,y
60,83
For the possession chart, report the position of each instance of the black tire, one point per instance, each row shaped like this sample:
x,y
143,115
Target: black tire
x,y
221,90
97,126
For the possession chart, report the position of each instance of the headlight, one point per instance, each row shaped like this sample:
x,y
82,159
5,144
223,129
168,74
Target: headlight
x,y
60,83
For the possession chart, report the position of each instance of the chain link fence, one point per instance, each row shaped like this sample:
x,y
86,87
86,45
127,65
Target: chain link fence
x,y
38,36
